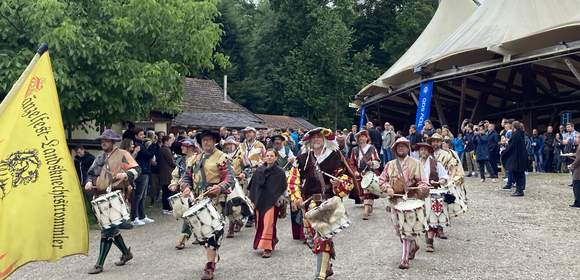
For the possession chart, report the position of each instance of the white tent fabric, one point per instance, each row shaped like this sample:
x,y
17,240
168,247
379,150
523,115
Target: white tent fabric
x,y
499,21
449,15
507,27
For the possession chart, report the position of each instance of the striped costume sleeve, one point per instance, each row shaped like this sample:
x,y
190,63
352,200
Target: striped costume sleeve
x,y
294,184
227,177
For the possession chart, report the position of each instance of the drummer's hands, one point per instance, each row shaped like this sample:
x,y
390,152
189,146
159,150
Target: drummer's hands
x,y
172,187
89,186
214,191
121,176
298,203
185,192
242,175
390,192
356,174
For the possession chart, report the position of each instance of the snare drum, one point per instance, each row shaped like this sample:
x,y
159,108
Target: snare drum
x,y
460,205
204,220
179,204
437,213
410,216
238,205
329,218
370,183
110,209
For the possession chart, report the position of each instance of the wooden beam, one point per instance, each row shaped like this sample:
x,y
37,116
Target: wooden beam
x,y
412,94
481,105
440,112
572,68
461,103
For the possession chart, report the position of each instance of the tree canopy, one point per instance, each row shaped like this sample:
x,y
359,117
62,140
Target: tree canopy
x,y
117,60
113,60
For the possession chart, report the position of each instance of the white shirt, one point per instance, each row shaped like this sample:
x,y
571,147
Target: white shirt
x,y
426,170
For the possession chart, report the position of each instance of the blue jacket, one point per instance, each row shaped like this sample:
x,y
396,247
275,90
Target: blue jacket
x,y
458,145
468,141
538,143
493,143
481,146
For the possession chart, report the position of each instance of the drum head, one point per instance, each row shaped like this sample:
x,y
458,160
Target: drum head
x,y
410,204
440,192
367,179
197,206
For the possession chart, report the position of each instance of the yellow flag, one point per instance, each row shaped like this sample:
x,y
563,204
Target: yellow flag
x,y
42,211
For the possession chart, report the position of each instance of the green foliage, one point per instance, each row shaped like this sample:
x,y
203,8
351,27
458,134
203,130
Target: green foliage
x,y
113,59
308,58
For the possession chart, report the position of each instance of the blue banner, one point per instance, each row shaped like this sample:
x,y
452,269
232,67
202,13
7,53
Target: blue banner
x,y
361,123
424,104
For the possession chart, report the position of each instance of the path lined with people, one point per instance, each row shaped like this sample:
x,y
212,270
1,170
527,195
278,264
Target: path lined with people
x,y
532,238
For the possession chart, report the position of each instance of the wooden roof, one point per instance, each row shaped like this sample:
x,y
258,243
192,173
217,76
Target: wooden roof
x,y
204,106
278,121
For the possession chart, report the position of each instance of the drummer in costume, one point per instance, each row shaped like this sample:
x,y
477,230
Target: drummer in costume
x,y
252,152
211,175
401,179
267,189
190,149
309,184
364,158
452,164
433,172
235,208
113,169
285,160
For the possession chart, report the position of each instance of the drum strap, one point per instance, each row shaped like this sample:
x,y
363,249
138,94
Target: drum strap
x,y
400,169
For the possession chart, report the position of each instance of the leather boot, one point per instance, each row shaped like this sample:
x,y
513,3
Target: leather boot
x,y
231,230
181,242
96,269
430,247
414,250
125,258
208,271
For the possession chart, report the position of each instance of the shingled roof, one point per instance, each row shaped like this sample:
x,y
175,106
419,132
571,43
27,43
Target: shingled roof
x,y
204,106
277,121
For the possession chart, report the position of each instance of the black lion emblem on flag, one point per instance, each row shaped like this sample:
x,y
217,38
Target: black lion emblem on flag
x,y
20,168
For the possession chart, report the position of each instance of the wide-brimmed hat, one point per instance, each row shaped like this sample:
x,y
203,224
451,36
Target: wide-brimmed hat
x,y
426,145
361,133
325,132
187,142
248,129
278,136
230,140
109,134
211,133
401,141
436,136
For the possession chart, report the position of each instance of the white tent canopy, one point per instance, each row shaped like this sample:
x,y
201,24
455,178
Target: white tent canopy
x,y
449,15
496,28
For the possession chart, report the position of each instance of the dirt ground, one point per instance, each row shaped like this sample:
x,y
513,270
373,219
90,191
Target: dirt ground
x,y
501,237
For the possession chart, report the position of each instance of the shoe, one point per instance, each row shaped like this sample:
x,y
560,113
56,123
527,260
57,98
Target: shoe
x,y
237,226
404,265
208,271
137,222
505,179
125,258
267,254
574,206
147,220
518,194
468,175
126,225
96,269
167,212
181,243
231,230
329,271
482,180
441,234
414,251
506,188
429,249
494,180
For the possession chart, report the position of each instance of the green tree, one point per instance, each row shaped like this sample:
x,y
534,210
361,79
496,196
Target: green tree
x,y
113,59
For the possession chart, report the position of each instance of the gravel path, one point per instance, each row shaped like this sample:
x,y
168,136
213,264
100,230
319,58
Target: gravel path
x,y
500,238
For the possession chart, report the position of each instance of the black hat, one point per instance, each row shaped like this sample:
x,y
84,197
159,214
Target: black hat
x,y
214,134
278,136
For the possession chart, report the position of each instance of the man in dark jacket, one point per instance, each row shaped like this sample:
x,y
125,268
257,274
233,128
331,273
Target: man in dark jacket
x,y
468,140
375,135
493,146
83,162
549,138
143,158
515,157
538,150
